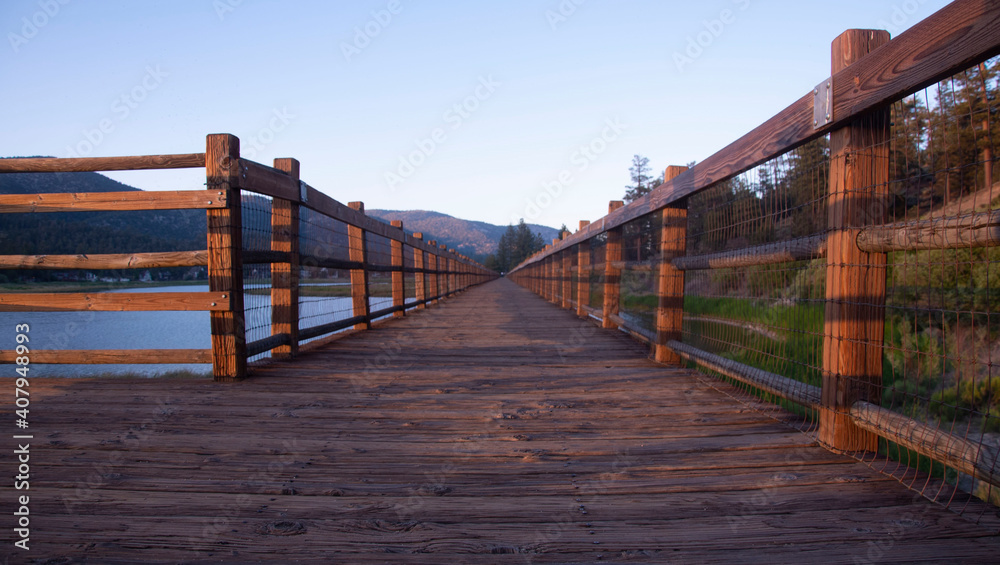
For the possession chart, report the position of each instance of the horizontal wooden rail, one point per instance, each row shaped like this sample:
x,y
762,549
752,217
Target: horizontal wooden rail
x,y
113,356
266,256
949,41
113,201
90,164
272,182
965,456
802,249
268,181
267,344
323,329
786,388
106,261
972,230
115,302
642,334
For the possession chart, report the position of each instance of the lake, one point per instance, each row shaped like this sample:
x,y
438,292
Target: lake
x,y
156,330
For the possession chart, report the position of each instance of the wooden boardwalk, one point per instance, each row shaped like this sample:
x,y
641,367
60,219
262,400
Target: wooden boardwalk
x,y
492,428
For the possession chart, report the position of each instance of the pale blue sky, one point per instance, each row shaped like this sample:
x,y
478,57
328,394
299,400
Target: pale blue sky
x,y
537,86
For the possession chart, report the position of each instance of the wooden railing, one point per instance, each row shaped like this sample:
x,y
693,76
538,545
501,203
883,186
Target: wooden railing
x,y
438,271
869,74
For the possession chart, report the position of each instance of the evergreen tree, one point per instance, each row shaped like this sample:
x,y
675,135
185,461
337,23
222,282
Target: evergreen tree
x,y
642,183
516,245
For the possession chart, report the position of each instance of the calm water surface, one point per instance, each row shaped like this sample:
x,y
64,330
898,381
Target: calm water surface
x,y
154,330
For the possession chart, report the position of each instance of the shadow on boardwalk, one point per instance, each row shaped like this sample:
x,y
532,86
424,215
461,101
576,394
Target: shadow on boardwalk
x,y
492,428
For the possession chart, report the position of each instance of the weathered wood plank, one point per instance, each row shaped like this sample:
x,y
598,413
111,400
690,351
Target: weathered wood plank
x,y
270,181
112,356
285,274
87,164
803,249
492,428
854,316
114,302
225,261
115,201
106,261
972,230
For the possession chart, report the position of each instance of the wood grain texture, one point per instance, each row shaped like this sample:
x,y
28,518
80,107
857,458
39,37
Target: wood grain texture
x,y
87,164
112,356
113,201
274,182
285,274
583,276
959,35
566,277
854,317
358,243
973,458
225,261
971,230
670,279
114,302
612,276
422,278
106,260
497,428
398,286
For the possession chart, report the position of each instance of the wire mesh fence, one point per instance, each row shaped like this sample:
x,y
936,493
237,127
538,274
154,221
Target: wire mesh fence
x,y
639,297
942,321
257,236
325,285
767,316
927,275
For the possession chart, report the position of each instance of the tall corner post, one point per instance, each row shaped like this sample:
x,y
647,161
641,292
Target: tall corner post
x,y
225,258
855,280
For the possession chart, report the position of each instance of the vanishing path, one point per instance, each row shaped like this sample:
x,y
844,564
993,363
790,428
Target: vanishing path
x,y
493,423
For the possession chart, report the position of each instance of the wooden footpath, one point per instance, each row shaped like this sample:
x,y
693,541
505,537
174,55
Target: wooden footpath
x,y
491,428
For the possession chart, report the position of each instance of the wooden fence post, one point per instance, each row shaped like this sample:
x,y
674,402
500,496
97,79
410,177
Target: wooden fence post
x,y
359,277
670,301
557,274
612,272
420,277
225,259
398,282
445,263
432,260
453,265
855,280
567,278
285,276
583,274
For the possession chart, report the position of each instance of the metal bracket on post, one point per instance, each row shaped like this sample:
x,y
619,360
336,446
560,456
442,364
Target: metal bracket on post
x,y
823,104
303,192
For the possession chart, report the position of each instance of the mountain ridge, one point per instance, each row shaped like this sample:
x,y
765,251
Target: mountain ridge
x,y
177,230
470,237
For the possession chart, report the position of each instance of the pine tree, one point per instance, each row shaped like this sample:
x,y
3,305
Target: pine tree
x,y
641,181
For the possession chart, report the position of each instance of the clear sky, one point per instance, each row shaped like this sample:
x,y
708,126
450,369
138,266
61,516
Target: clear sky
x,y
490,110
